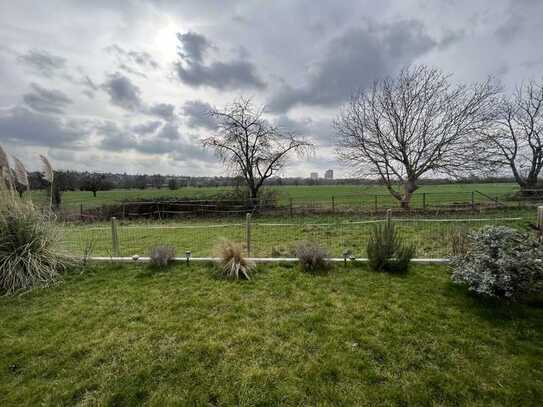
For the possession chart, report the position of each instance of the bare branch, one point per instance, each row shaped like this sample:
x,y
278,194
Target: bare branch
x,y
414,124
250,146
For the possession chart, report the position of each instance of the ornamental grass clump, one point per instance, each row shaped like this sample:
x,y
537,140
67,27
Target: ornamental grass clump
x,y
500,262
312,257
231,262
29,253
387,252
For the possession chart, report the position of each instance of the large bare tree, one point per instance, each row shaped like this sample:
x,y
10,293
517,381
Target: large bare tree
x,y
250,146
516,141
412,125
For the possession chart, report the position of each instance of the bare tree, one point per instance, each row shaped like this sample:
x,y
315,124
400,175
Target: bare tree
x,y
250,146
415,124
516,141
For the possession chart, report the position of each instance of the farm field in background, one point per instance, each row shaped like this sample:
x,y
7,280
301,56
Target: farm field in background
x,y
303,194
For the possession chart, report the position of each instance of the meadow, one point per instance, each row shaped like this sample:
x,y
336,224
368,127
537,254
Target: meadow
x,y
128,335
366,195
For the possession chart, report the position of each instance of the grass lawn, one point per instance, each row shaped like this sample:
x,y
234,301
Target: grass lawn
x,y
125,335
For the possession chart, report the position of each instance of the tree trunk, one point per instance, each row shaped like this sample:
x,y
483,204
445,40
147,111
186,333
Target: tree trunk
x,y
94,193
410,186
253,196
528,186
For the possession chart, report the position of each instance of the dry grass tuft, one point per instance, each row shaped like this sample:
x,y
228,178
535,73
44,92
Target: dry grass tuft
x,y
232,263
313,257
162,256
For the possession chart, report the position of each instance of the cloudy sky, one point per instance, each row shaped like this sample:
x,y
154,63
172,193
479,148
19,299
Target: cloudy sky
x,y
124,85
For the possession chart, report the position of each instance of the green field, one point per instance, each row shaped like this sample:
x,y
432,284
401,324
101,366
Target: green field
x,y
302,195
128,335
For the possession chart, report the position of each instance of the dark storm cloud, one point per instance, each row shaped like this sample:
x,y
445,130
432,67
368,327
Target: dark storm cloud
x,y
167,140
510,28
193,46
197,114
43,62
20,125
354,60
193,71
123,93
46,100
146,128
319,132
169,132
163,110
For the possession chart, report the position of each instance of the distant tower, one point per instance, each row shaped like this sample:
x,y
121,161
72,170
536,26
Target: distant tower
x,y
329,174
314,175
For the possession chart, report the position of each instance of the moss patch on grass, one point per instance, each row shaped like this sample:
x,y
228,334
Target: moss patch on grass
x,y
127,335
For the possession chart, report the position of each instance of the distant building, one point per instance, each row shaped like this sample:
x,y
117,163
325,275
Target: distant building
x,y
314,175
329,174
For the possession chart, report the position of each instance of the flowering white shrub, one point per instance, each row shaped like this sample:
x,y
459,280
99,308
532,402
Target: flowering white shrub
x,y
500,262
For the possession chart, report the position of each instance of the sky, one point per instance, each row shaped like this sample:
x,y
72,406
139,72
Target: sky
x,y
124,86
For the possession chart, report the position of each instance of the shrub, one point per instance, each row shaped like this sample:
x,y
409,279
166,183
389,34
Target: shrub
x,y
313,258
500,262
387,252
231,261
29,255
162,256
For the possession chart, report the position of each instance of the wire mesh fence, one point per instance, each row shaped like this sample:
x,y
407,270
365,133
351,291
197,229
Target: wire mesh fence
x,y
274,237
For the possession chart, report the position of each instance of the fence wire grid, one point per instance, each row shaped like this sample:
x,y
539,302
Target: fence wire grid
x,y
262,238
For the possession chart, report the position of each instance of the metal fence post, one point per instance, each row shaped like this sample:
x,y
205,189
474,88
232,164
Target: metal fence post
x,y
424,200
375,202
333,204
248,233
81,211
472,199
114,237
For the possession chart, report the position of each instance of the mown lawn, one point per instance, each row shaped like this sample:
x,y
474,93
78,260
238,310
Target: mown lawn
x,y
127,335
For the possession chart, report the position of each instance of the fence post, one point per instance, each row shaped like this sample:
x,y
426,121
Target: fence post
x,y
81,210
333,204
375,202
472,199
248,233
389,217
290,206
114,237
540,221
424,200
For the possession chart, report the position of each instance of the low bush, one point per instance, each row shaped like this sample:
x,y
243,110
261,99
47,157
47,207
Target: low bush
x,y
500,262
162,256
231,261
29,252
387,252
313,258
